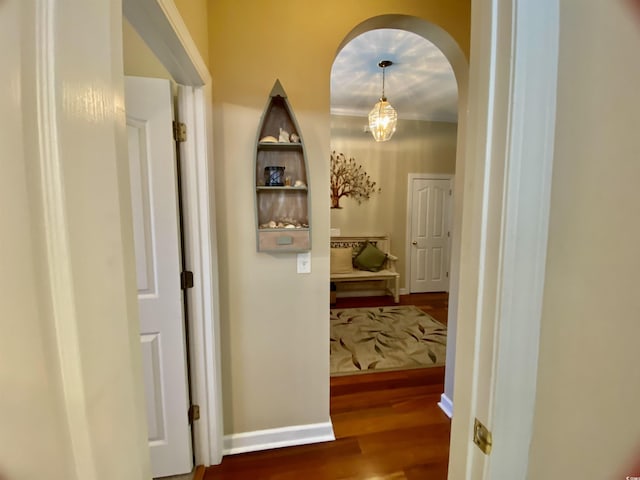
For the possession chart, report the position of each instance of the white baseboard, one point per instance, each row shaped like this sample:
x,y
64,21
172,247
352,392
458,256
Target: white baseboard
x,y
446,405
403,291
277,438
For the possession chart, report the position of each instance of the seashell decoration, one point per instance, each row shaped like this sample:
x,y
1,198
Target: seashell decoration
x,y
285,223
269,139
299,183
294,138
284,136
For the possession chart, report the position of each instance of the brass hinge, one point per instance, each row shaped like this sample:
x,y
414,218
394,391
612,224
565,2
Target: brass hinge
x,y
194,413
186,280
179,132
482,437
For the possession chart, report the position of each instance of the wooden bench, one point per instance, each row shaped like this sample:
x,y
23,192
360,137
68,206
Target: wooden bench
x,y
388,274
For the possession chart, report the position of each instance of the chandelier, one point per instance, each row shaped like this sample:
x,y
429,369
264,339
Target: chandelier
x,y
383,117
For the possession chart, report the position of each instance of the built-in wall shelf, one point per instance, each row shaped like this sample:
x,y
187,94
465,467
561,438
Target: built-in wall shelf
x,y
281,180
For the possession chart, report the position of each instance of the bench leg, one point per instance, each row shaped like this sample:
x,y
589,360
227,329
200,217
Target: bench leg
x,y
396,291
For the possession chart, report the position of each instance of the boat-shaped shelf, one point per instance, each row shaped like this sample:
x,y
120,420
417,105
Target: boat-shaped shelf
x,y
283,222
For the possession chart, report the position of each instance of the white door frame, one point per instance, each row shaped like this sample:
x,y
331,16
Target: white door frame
x,y
425,176
510,135
159,23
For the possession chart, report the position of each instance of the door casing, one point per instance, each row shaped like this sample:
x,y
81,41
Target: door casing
x,y
159,23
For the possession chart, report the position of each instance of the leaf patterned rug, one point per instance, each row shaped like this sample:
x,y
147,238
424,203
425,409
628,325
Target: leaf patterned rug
x,y
364,340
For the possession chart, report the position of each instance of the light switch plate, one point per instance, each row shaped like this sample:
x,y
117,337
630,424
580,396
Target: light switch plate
x,y
304,262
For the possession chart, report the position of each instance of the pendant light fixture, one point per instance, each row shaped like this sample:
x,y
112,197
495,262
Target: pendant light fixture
x,y
383,117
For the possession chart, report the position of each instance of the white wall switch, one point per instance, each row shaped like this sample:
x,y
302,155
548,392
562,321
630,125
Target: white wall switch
x,y
304,262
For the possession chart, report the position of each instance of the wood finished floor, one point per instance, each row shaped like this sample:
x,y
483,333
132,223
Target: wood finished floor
x,y
387,425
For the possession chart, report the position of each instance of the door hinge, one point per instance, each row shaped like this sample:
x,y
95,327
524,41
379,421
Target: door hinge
x,y
179,132
450,192
186,280
448,234
482,437
447,274
194,413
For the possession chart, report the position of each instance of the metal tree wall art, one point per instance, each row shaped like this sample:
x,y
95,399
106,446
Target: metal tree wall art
x,y
348,179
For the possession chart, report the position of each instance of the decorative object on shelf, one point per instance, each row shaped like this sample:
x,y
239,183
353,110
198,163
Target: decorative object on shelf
x,y
273,176
283,223
284,136
383,117
348,179
281,202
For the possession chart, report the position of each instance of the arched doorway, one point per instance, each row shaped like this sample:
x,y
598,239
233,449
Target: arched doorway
x,y
459,63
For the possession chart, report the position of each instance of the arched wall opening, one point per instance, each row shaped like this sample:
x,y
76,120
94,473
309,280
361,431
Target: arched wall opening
x,y
459,63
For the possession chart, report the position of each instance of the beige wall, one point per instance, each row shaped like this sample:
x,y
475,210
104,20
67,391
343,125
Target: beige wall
x,y
274,321
416,147
138,58
586,418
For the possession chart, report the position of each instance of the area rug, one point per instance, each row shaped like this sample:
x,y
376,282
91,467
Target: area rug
x,y
385,338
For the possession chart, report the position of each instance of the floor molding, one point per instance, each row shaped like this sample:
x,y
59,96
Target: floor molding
x,y
446,405
277,438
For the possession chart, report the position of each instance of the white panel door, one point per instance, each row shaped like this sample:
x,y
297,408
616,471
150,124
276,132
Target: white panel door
x,y
429,260
157,247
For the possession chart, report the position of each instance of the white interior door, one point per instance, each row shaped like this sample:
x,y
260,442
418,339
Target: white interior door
x,y
429,258
157,247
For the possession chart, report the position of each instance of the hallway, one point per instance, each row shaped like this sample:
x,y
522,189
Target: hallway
x,y
388,425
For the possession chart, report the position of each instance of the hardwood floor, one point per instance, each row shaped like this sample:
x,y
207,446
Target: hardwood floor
x,y
387,425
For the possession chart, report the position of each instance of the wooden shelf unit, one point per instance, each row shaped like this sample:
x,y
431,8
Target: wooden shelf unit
x,y
284,203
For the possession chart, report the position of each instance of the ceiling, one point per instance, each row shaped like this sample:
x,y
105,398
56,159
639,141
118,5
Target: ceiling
x,y
420,84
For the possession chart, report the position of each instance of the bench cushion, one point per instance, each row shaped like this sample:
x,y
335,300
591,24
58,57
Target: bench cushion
x,y
341,259
370,258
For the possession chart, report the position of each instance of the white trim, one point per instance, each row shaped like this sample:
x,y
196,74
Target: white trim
x,y
58,258
188,51
425,176
203,297
278,438
505,228
446,405
160,25
525,229
403,291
